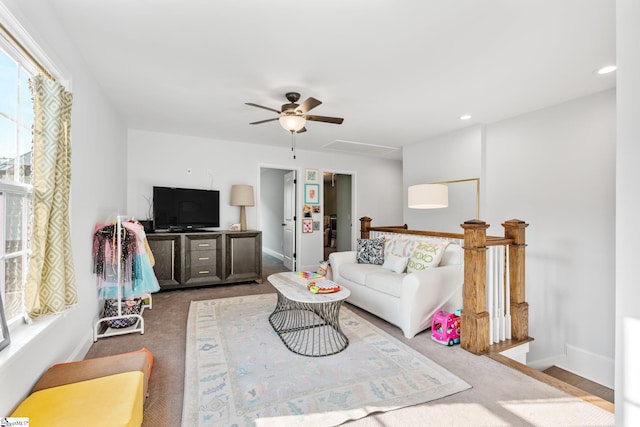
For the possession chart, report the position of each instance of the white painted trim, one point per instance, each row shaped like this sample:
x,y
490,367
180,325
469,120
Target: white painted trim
x,y
542,364
273,253
81,350
589,365
23,334
518,353
22,36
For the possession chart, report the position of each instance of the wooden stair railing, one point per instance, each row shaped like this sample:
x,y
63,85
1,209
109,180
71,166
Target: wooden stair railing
x,y
475,322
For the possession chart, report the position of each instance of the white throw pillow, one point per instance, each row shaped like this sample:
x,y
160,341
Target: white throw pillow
x,y
395,263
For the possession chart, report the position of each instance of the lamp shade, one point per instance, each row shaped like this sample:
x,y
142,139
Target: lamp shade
x,y
428,196
292,123
241,195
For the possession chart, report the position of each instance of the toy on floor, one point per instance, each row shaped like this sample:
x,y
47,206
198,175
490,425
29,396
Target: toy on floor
x,y
445,327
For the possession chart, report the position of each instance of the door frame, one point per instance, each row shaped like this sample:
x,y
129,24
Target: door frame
x,y
297,233
354,208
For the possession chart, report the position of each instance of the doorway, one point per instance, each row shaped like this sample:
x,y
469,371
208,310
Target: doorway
x,y
277,214
337,213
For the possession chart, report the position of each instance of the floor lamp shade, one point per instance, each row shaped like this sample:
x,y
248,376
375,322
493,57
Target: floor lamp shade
x,y
428,196
242,195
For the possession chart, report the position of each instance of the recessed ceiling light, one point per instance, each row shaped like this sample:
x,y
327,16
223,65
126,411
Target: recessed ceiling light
x,y
465,117
606,69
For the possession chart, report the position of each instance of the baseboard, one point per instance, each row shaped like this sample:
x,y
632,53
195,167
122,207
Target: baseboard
x,y
584,363
273,253
82,348
589,365
542,364
517,353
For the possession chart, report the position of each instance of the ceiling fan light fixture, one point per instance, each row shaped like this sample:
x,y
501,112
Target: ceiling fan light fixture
x,y
292,122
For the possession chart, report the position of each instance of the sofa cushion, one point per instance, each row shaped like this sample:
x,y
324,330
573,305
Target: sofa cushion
x,y
426,255
358,273
395,263
370,251
386,282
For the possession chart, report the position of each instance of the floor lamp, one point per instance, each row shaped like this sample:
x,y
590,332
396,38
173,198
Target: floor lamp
x,y
436,195
242,195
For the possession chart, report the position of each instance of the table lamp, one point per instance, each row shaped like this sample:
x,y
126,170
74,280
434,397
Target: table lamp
x,y
242,195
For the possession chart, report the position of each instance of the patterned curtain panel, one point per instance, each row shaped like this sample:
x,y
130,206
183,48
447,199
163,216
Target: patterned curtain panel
x,y
50,286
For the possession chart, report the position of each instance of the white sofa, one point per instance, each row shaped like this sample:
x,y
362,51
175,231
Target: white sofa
x,y
407,300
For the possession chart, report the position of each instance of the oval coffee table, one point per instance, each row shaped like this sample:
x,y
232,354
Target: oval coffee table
x,y
307,323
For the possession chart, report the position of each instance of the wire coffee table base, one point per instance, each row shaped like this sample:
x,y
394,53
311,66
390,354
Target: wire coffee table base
x,y
309,329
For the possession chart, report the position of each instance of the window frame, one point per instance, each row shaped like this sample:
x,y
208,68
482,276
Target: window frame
x,y
15,187
26,191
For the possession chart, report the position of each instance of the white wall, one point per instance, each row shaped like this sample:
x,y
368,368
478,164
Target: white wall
x,y
166,159
97,191
457,155
554,169
627,398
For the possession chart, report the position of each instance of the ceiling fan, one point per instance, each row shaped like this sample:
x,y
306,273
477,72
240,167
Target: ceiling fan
x,y
293,117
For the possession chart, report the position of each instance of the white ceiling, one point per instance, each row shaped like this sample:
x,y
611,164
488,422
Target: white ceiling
x,y
398,71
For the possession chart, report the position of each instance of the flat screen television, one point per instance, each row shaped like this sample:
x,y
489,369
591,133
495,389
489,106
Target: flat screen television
x,y
179,209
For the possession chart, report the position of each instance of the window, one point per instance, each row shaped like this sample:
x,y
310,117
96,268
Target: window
x,y
16,119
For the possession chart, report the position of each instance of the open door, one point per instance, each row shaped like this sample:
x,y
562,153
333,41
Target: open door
x,y
289,221
337,209
344,218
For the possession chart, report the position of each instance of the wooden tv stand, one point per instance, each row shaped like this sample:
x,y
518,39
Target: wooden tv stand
x,y
206,258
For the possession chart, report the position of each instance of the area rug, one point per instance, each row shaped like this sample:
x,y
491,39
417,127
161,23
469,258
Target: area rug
x,y
239,373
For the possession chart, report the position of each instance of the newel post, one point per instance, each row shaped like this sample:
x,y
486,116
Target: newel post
x,y
514,229
365,224
474,334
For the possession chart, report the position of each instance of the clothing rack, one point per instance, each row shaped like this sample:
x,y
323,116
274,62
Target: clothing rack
x,y
102,328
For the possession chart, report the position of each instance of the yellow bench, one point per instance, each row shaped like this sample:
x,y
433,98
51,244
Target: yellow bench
x,y
107,391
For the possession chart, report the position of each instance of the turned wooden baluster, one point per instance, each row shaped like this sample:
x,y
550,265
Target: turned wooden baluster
x,y
514,229
474,324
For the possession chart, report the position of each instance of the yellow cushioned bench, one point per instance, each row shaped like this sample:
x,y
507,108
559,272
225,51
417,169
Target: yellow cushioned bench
x,y
111,401
106,391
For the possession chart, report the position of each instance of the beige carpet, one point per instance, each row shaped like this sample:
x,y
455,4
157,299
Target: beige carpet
x,y
500,396
239,373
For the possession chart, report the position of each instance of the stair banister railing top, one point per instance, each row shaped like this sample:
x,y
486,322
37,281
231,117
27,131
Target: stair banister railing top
x,y
494,307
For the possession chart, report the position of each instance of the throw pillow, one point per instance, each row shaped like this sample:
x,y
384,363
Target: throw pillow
x,y
426,255
370,251
395,263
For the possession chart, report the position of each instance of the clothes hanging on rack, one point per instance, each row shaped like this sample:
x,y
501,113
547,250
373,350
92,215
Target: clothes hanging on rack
x,y
136,261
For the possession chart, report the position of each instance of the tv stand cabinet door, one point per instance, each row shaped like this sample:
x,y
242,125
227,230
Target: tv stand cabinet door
x,y
243,256
167,251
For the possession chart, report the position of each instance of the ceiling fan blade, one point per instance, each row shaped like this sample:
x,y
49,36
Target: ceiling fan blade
x,y
302,130
260,106
336,120
308,104
264,121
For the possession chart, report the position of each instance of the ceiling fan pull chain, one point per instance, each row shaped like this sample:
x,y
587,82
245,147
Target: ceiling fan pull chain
x,y
293,143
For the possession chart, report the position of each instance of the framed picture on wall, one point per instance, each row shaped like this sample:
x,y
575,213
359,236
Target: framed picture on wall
x,y
312,194
311,175
307,226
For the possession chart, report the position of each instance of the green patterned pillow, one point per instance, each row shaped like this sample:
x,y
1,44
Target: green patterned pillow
x,y
426,255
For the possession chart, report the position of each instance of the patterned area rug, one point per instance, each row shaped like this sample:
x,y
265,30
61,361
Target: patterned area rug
x,y
239,373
